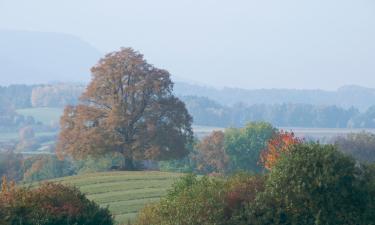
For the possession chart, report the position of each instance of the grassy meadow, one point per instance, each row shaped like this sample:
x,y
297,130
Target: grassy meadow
x,y
44,115
124,193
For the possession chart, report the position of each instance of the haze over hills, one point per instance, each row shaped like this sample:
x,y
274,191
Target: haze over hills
x,y
346,96
250,44
40,57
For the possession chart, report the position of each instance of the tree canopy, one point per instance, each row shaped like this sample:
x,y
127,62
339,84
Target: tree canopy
x,y
244,145
315,184
128,108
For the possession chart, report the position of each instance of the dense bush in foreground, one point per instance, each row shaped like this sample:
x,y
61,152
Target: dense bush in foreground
x,y
314,184
49,204
205,200
309,184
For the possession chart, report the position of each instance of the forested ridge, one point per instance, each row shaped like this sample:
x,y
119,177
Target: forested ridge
x,y
209,112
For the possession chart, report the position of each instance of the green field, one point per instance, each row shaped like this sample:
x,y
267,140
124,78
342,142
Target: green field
x,y
43,115
123,192
9,136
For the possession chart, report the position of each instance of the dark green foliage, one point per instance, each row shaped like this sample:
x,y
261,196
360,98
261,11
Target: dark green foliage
x,y
50,204
204,200
314,185
243,146
191,201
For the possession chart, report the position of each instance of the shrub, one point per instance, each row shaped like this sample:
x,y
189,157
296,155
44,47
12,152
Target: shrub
x,y
314,184
49,204
241,190
191,201
205,200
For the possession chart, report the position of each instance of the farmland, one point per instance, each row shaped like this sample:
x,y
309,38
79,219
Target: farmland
x,y
45,115
50,115
124,193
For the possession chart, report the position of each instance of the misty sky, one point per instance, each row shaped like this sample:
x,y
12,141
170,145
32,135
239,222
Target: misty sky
x,y
251,44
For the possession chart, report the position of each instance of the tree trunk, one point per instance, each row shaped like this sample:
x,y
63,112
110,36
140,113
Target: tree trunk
x,y
128,163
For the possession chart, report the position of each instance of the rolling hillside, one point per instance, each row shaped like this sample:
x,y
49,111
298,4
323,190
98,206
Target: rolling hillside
x,y
123,192
30,57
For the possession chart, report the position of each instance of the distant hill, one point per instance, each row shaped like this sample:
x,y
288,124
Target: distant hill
x,y
347,96
37,57
28,57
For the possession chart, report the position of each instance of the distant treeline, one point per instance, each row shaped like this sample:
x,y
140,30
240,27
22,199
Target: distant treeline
x,y
9,119
51,95
206,111
346,96
210,113
18,96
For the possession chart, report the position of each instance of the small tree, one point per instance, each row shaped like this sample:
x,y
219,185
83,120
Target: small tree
x,y
128,108
245,144
211,153
278,145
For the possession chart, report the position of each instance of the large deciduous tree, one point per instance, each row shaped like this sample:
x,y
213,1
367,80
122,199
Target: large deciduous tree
x,y
128,108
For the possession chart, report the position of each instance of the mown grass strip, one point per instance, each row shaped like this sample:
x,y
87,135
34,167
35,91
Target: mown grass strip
x,y
124,193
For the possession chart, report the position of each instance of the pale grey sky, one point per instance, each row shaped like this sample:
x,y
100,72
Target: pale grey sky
x,y
251,43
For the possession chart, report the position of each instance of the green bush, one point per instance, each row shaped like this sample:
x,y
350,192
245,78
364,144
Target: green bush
x,y
205,200
191,201
314,184
243,146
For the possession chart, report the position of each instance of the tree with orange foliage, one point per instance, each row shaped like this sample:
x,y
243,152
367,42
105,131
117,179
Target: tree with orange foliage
x,y
277,146
4,184
128,107
211,153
